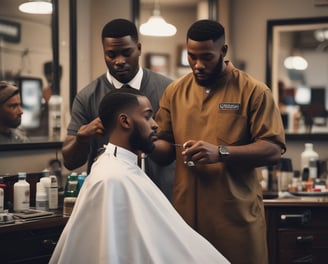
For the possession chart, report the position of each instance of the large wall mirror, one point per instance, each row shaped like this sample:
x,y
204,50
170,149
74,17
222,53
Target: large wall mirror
x,y
297,67
28,52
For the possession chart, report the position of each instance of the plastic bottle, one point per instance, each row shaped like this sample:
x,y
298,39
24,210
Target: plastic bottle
x,y
21,193
313,169
307,155
45,180
285,174
53,193
41,201
55,103
2,200
80,181
70,194
2,194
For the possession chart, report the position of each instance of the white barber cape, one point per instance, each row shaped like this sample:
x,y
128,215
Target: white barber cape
x,y
121,217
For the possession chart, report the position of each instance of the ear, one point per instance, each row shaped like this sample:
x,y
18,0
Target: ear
x,y
124,121
139,48
224,49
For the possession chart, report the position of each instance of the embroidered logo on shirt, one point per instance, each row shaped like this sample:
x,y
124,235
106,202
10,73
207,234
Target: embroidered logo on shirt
x,y
229,106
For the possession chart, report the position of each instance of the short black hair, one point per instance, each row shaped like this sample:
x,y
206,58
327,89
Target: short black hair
x,y
118,28
205,29
116,101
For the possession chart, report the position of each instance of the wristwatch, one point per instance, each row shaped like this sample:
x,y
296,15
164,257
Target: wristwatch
x,y
223,152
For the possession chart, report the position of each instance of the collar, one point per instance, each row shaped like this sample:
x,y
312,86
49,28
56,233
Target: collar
x,y
134,83
122,153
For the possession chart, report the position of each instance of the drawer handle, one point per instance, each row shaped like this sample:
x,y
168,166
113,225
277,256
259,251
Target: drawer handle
x,y
303,260
304,218
49,243
304,240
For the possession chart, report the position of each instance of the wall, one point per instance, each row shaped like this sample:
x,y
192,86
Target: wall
x,y
246,38
248,42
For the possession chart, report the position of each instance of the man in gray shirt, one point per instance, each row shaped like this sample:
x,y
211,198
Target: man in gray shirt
x,y
85,133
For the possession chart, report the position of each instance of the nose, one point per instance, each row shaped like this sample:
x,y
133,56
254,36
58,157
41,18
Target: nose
x,y
199,65
154,125
19,110
120,60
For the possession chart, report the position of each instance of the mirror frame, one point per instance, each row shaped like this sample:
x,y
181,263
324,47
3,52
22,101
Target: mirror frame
x,y
271,24
56,81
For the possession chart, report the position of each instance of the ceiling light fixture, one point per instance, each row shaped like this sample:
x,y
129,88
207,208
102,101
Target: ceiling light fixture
x,y
295,63
156,26
36,7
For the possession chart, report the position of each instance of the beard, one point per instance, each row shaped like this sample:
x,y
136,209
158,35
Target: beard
x,y
212,76
138,142
11,123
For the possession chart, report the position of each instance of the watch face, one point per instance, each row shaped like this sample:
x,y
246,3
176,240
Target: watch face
x,y
223,151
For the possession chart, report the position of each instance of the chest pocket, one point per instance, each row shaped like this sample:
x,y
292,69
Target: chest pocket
x,y
231,127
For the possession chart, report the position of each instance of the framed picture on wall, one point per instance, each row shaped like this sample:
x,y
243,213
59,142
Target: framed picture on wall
x,y
158,62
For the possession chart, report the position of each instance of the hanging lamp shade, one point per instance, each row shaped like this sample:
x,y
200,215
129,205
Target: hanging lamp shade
x,y
36,7
295,63
156,26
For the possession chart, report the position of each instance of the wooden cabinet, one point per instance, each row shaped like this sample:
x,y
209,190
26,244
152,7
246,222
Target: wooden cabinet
x,y
297,231
30,242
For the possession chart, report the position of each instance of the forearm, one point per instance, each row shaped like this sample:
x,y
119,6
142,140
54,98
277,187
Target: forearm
x,y
259,153
75,152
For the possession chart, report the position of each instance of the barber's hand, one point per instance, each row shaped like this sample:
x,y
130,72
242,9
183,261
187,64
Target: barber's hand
x,y
199,152
94,129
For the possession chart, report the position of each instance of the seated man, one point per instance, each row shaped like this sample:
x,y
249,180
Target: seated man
x,y
10,114
120,215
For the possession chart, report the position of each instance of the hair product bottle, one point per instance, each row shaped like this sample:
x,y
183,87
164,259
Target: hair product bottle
x,y
3,194
70,194
307,155
21,193
41,201
53,193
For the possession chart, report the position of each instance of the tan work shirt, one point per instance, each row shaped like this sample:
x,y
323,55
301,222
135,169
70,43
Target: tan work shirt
x,y
223,204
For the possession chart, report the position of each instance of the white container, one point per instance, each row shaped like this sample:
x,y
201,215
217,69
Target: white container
x,y
307,155
54,118
313,170
1,200
41,200
53,193
21,193
46,183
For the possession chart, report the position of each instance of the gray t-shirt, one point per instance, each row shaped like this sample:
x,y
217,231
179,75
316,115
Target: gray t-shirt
x,y
85,109
14,136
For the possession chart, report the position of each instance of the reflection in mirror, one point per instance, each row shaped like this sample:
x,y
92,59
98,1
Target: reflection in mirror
x,y
297,66
26,61
168,51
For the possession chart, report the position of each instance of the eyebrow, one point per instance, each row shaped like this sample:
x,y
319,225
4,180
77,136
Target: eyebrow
x,y
149,111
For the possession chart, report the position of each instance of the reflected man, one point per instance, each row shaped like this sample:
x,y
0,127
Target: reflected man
x,y
10,114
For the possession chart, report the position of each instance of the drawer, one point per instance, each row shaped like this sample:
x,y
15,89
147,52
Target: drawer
x,y
315,257
299,246
302,217
302,239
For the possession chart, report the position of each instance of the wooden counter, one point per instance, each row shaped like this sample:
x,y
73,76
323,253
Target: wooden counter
x,y
297,233
297,230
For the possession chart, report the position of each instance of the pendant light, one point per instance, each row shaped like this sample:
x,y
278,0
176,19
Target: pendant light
x,y
156,26
36,7
296,62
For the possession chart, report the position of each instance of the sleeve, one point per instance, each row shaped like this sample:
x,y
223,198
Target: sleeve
x,y
265,120
78,115
163,117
